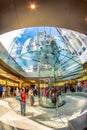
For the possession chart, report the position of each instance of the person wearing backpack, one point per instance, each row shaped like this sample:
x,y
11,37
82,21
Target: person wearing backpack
x,y
23,102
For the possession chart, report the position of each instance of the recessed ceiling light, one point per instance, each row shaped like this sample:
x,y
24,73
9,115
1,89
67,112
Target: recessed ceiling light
x,y
32,5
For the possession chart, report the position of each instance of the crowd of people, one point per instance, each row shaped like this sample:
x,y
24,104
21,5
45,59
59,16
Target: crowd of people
x,y
23,93
54,92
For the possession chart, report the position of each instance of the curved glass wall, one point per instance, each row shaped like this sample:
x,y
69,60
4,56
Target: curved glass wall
x,y
47,51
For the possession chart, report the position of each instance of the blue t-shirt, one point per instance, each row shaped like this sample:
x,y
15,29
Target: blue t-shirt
x,y
1,88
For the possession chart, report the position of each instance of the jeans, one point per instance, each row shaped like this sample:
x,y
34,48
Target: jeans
x,y
23,108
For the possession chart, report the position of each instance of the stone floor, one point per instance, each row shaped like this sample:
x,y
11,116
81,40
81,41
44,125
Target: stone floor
x,y
10,118
38,117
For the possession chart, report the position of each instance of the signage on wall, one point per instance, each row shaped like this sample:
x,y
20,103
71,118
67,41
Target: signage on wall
x,y
3,82
12,84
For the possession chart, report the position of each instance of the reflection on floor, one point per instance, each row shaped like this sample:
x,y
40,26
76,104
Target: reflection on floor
x,y
38,117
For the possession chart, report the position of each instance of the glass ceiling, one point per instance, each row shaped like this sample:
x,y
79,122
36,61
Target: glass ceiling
x,y
50,51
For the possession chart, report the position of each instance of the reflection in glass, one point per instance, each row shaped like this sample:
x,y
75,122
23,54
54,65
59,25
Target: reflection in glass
x,y
50,51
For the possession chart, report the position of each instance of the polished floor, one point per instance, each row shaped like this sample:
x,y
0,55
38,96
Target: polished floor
x,y
41,118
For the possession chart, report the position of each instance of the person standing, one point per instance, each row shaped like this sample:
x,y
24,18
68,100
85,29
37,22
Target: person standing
x,y
79,87
16,92
85,85
23,102
3,91
31,96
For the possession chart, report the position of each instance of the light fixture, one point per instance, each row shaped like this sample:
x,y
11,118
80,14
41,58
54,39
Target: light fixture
x,y
32,6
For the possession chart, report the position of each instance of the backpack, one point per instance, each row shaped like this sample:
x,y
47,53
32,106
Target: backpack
x,y
19,97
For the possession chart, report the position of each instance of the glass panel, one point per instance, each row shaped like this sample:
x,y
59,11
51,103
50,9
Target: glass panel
x,y
52,50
